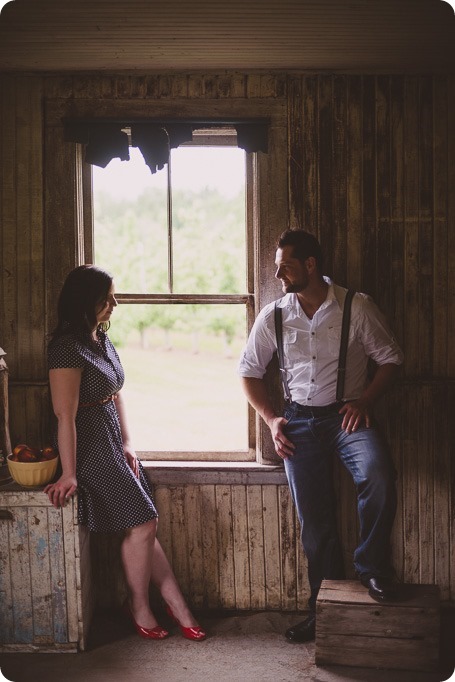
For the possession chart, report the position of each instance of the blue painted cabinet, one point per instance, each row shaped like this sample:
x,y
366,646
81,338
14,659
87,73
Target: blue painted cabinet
x,y
45,587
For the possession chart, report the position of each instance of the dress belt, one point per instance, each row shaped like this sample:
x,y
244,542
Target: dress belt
x,y
103,401
317,410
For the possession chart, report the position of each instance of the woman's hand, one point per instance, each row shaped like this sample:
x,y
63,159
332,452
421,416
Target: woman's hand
x,y
132,459
61,491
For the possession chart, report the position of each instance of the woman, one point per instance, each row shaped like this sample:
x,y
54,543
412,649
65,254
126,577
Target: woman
x,y
97,457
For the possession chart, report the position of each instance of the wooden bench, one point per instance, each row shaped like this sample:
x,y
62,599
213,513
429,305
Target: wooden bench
x,y
355,630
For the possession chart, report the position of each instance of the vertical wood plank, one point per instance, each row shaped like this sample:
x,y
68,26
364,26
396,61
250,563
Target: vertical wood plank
x,y
210,548
39,566
369,245
225,545
426,272
386,290
325,161
8,222
354,162
441,446
451,226
256,545
391,420
241,556
411,202
310,154
295,153
253,86
6,621
441,190
270,516
194,515
69,547
397,208
339,181
450,442
425,463
179,538
21,579
411,490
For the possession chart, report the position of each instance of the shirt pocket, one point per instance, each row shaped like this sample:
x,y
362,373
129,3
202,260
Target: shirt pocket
x,y
296,346
333,340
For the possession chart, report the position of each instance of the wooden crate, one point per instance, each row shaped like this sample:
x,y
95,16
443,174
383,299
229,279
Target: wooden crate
x,y
45,587
353,629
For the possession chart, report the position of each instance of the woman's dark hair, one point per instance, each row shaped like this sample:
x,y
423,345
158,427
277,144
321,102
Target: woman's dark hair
x,y
84,290
303,245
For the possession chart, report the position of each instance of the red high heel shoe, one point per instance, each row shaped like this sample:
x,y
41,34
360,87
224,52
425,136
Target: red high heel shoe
x,y
195,633
148,633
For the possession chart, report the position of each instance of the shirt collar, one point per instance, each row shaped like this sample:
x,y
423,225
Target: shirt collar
x,y
333,296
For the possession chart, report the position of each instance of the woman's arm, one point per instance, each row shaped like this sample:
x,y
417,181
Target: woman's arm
x,y
128,449
65,384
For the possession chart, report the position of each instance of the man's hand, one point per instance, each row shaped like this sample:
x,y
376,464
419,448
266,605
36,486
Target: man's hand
x,y
355,413
283,446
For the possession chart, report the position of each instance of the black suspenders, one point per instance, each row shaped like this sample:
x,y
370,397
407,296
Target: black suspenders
x,y
341,372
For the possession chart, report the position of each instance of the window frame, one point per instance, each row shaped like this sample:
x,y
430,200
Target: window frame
x,y
68,199
246,299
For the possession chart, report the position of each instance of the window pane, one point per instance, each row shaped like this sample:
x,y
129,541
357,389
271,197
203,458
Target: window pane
x,y
208,220
130,218
182,390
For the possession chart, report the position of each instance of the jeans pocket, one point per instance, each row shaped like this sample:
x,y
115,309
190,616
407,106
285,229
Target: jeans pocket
x,y
289,413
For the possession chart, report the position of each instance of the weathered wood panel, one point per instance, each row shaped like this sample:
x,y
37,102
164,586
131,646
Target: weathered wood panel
x,y
46,603
230,546
364,162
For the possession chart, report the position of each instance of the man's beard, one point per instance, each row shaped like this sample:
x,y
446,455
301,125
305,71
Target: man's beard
x,y
295,287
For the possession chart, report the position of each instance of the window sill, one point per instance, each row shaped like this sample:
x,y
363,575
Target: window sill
x,y
161,472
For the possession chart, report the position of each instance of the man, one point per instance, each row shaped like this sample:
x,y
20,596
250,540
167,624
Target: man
x,y
315,425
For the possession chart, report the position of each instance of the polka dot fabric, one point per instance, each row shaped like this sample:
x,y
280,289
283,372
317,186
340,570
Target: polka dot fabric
x,y
110,496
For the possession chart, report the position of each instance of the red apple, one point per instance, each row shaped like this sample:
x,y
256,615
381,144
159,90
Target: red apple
x,y
18,449
48,453
28,455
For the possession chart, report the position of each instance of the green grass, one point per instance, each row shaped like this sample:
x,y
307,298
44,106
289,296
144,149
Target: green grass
x,y
180,400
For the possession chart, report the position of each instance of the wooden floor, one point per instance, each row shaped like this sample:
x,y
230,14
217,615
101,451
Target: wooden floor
x,y
243,647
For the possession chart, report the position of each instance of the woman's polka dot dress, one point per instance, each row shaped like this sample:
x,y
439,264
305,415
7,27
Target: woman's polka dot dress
x,y
110,497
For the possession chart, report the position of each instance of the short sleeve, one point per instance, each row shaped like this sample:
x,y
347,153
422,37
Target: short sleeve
x,y
64,352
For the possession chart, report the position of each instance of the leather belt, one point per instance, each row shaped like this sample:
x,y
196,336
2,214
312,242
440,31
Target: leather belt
x,y
316,410
103,401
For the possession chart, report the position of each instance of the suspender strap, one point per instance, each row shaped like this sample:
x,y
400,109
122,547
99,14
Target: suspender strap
x,y
341,373
279,344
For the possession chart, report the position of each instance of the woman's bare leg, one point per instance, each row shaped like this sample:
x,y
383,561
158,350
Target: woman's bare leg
x,y
143,561
137,556
163,577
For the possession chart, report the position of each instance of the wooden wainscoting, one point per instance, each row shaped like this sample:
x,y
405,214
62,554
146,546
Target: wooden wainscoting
x,y
231,547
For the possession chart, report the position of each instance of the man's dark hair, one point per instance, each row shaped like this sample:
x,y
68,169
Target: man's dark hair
x,y
303,245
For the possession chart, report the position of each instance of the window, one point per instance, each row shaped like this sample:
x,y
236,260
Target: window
x,y
178,243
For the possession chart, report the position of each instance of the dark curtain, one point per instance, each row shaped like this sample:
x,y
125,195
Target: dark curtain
x,y
105,140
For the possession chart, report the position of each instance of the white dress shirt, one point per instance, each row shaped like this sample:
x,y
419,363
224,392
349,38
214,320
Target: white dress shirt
x,y
311,347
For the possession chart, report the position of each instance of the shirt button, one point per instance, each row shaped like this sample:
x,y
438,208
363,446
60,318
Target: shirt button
x,y
314,357
312,381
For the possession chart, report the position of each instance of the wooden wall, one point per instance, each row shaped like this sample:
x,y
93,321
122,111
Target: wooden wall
x,y
369,167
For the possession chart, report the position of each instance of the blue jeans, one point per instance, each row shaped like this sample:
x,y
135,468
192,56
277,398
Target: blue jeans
x,y
309,473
